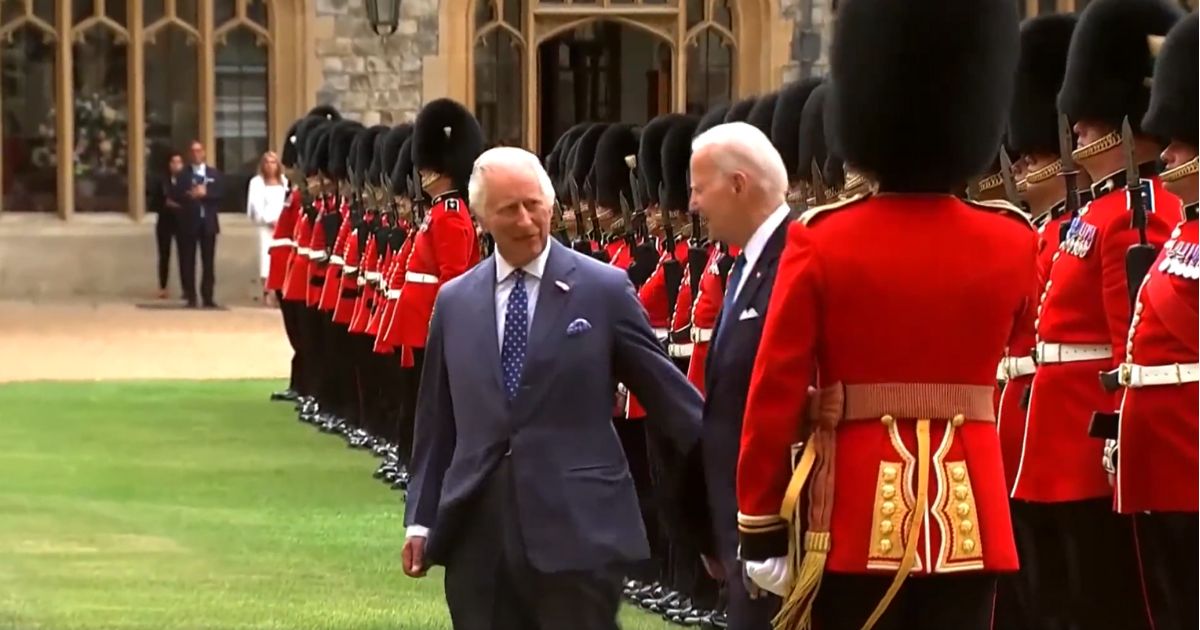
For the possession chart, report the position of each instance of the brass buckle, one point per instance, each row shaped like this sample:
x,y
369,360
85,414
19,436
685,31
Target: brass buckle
x,y
1124,373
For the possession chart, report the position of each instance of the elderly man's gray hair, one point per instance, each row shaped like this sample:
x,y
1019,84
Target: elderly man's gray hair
x,y
741,147
507,157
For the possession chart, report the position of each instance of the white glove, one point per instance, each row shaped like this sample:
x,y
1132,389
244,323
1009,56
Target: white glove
x,y
772,574
1109,461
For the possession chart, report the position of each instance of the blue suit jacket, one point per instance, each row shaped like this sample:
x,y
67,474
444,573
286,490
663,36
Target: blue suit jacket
x,y
198,215
574,496
728,368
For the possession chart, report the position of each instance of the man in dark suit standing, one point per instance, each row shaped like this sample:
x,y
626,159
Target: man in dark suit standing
x,y
520,486
198,191
739,185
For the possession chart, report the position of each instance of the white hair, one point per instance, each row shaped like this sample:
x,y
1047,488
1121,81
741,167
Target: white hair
x,y
512,157
740,147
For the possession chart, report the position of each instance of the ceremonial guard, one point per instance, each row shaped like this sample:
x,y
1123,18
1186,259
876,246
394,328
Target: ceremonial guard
x,y
281,250
1156,453
1083,323
897,308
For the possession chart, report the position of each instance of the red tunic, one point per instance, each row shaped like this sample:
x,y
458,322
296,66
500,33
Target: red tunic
x,y
389,328
705,310
387,273
1010,417
318,257
1158,460
337,258
368,267
283,243
295,286
1086,301
653,295
938,308
347,298
445,247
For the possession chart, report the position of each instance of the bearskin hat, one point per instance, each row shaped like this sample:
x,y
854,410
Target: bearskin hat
x,y
740,110
316,149
446,140
610,173
390,151
785,125
364,154
1033,119
921,88
304,133
566,157
676,153
763,113
288,155
341,137
327,112
402,170
1109,60
813,134
1173,100
712,118
649,154
584,154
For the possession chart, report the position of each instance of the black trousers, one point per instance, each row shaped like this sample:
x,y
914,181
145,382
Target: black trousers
x,y
207,243
312,331
490,584
1079,567
338,377
165,231
632,434
951,602
291,312
406,419
1167,542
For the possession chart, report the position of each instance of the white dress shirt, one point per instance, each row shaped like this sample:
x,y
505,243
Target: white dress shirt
x,y
758,241
534,270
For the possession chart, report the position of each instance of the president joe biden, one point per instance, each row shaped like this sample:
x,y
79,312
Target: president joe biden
x,y
520,486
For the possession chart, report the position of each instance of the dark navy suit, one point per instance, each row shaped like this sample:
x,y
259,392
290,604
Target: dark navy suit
x,y
198,227
530,504
730,363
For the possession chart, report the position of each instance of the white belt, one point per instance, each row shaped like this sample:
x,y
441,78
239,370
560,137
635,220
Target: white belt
x,y
350,269
680,350
281,242
303,251
701,335
393,294
373,275
662,333
420,278
360,281
383,287
1071,352
337,260
1135,376
1013,367
317,255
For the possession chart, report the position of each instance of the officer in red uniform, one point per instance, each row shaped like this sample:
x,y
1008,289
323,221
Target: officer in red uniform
x,y
882,305
446,139
281,250
1082,326
1156,454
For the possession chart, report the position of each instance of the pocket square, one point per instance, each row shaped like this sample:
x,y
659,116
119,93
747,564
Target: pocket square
x,y
749,313
578,327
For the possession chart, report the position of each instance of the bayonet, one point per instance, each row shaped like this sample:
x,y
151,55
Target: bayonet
x,y
668,229
573,188
590,193
1140,256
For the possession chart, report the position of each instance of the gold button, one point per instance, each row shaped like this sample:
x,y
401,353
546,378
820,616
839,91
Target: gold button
x,y
960,492
885,545
958,420
966,527
963,509
889,473
887,491
888,508
1136,320
968,545
958,473
888,420
885,527
1049,283
1138,308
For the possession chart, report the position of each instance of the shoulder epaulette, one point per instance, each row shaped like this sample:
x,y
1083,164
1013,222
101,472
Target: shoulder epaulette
x,y
1002,207
810,215
452,204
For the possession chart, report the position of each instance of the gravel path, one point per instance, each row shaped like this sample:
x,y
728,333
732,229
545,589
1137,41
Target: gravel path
x,y
81,341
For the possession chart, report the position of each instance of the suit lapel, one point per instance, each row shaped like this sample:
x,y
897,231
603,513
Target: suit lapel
x,y
766,260
485,313
552,300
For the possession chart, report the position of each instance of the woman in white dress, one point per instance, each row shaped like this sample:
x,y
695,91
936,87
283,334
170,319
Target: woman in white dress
x,y
264,203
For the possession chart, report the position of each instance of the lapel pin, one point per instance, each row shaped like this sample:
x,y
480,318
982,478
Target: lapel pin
x,y
563,286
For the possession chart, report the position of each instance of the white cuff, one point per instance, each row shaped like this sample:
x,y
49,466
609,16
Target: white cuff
x,y
772,574
416,531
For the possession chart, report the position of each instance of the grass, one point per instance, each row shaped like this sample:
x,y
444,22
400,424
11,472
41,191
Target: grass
x,y
196,505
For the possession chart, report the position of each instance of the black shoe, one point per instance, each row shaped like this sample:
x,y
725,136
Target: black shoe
x,y
287,395
191,304
716,620
671,600
675,613
385,469
211,304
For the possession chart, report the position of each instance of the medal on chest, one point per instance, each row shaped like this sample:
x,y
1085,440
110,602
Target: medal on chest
x,y
1080,238
1182,259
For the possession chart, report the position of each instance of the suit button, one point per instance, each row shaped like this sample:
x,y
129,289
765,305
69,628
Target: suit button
x,y
885,527
889,473
968,545
963,509
960,492
887,491
958,473
888,508
966,527
885,545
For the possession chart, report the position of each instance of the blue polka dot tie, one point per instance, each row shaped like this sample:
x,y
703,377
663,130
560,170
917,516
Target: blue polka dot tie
x,y
516,335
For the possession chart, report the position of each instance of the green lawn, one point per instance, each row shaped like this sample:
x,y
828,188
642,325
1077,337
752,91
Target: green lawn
x,y
173,505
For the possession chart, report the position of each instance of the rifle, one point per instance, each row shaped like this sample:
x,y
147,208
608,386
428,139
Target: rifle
x,y
639,208
668,229
1140,256
418,196
561,229
1070,175
590,192
580,236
